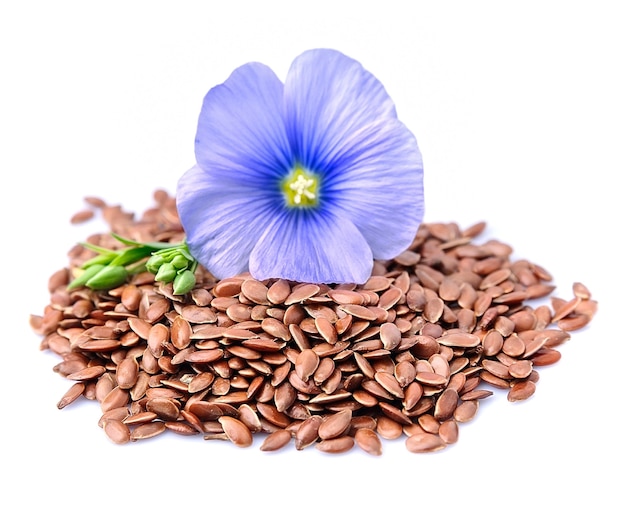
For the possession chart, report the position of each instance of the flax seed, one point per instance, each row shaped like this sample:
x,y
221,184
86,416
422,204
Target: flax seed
x,y
236,431
148,430
368,440
424,442
276,440
117,431
336,445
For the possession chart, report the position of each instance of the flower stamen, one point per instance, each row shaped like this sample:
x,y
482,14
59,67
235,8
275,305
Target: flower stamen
x,y
300,188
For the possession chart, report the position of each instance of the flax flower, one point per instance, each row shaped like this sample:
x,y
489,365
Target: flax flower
x,y
309,180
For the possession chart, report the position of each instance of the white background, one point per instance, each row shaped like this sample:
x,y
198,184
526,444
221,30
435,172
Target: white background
x,y
519,110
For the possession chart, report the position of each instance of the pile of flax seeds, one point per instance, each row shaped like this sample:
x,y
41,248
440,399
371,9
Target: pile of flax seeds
x,y
409,354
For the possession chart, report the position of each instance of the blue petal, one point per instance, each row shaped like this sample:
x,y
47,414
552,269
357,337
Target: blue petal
x,y
242,151
328,98
378,185
222,222
312,246
343,124
241,133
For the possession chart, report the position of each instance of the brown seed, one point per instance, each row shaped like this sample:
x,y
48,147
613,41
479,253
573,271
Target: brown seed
x,y
466,411
181,428
301,293
389,383
271,414
306,364
513,346
521,369
521,391
404,373
131,297
494,278
275,328
581,291
276,440
197,315
255,291
324,370
496,368
139,418
228,287
204,356
424,442
494,380
118,414
390,298
534,346
430,378
335,425
428,423
492,343
278,291
116,398
284,396
336,445
205,411
165,408
449,431
412,395
58,344
180,333
200,382
574,322
117,431
141,386
364,398
236,431
148,430
545,356
433,309
72,394
459,340
368,440
446,404
157,337
390,335
566,309
88,373
554,337
306,434
326,329
127,372
82,216
248,415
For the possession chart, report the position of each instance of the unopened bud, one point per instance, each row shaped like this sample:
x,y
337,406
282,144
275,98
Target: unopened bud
x,y
179,262
85,275
108,278
184,282
166,273
154,263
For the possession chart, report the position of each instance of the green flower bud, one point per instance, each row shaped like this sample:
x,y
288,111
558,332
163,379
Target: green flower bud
x,y
108,278
154,263
179,262
131,255
100,260
184,282
166,273
85,275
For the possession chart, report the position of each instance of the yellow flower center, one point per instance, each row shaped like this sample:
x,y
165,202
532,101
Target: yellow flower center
x,y
300,188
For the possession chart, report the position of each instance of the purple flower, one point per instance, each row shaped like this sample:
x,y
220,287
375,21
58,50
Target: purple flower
x,y
310,180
